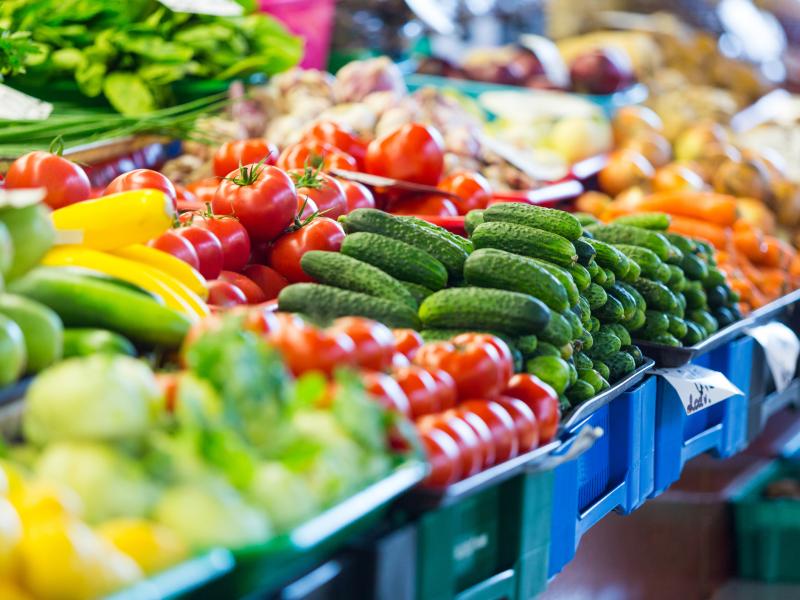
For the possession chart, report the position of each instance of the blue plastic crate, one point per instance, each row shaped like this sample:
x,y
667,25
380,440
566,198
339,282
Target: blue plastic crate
x,y
720,429
616,473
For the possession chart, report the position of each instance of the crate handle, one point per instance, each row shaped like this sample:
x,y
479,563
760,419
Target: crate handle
x,y
572,448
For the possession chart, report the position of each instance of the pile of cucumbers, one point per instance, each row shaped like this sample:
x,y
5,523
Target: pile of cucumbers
x,y
687,297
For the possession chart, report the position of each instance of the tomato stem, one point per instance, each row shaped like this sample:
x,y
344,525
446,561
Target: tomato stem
x,y
57,145
309,178
248,174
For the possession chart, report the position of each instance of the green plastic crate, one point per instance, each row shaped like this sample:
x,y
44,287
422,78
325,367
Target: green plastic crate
x,y
489,544
768,531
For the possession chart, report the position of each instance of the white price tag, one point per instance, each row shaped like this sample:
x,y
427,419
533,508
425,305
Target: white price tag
x,y
21,107
21,198
698,387
781,349
218,8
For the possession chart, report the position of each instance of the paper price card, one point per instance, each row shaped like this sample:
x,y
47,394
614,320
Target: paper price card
x,y
781,349
698,387
218,8
21,198
16,106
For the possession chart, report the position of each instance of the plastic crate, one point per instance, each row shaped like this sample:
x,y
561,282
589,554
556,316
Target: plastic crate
x,y
488,545
615,474
768,531
720,429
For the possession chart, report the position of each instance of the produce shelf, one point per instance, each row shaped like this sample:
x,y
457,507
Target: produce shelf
x,y
615,474
721,428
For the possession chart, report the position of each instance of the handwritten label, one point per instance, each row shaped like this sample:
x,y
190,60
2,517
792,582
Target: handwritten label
x,y
698,387
781,349
17,106
21,198
218,8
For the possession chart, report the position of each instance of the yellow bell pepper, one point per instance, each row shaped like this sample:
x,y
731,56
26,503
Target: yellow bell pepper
x,y
167,263
117,220
171,291
11,590
154,547
10,538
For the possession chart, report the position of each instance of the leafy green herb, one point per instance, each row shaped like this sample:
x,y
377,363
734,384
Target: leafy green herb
x,y
14,48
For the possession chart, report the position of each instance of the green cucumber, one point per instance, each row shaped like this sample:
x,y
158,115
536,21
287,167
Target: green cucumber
x,y
695,296
647,220
667,339
656,294
635,352
509,312
677,280
399,259
580,276
634,271
548,219
585,250
717,296
705,319
585,310
527,344
582,361
12,351
611,279
714,277
620,364
611,312
85,342
648,261
558,330
342,271
637,297
601,368
591,377
581,391
586,339
724,316
575,323
655,322
684,244
527,241
635,236
573,373
585,218
609,257
600,276
694,267
564,277
594,269
625,298
695,333
471,221
675,255
492,268
595,325
618,330
605,345
326,302
596,296
547,349
677,326
552,370
418,292
464,243
637,322
445,251
41,327
664,273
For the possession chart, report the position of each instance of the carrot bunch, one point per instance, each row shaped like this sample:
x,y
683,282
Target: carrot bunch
x,y
759,267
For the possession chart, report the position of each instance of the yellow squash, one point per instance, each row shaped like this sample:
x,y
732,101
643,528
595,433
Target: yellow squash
x,y
166,262
117,220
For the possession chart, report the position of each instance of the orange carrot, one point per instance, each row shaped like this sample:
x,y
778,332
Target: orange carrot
x,y
773,253
750,243
719,209
714,234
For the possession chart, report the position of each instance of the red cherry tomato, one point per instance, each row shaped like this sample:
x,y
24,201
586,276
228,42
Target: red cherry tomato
x,y
269,280
413,152
64,182
420,388
263,199
320,234
425,204
233,237
525,423
339,137
356,195
224,294
140,179
181,248
374,341
501,425
407,341
542,400
231,155
472,189
507,359
325,193
448,393
204,190
469,446
306,348
317,155
484,433
253,293
443,455
386,390
208,249
477,367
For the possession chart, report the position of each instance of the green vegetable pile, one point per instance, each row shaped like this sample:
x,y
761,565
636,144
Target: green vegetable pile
x,y
131,51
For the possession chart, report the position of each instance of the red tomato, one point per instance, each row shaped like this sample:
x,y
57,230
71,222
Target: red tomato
x,y
307,348
257,319
233,237
407,341
172,243
443,455
339,137
305,207
262,198
321,233
140,179
484,433
225,294
356,195
420,388
425,204
448,393
323,190
413,152
186,201
507,359
472,189
269,280
501,425
525,423
253,293
386,390
374,341
399,360
204,190
64,182
477,367
231,155
542,400
208,248
317,155
469,446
